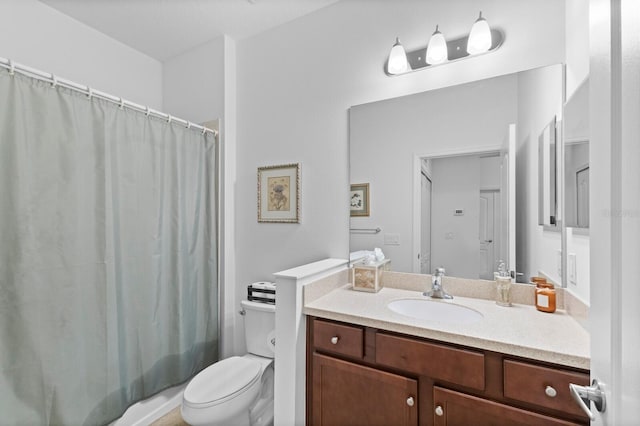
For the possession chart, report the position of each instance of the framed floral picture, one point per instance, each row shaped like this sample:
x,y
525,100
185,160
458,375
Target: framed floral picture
x,y
360,199
279,193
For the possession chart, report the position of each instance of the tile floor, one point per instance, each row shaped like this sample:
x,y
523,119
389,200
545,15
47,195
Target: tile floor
x,y
173,418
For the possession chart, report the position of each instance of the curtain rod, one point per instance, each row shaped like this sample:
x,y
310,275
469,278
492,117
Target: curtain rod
x,y
14,67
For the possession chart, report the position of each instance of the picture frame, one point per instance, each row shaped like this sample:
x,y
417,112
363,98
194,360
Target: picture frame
x,y
279,193
359,199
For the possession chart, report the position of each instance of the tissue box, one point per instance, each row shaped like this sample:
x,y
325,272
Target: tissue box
x,y
368,276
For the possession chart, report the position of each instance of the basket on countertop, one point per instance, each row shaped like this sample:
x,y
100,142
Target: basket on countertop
x,y
367,276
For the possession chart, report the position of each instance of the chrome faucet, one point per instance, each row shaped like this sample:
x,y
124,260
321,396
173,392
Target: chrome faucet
x,y
437,292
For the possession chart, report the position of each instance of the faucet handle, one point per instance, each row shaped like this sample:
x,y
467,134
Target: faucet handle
x,y
440,271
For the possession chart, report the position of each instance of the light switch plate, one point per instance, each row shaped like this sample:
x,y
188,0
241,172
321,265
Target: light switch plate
x,y
392,239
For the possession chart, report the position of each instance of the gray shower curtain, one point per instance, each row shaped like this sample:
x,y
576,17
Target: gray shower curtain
x,y
108,263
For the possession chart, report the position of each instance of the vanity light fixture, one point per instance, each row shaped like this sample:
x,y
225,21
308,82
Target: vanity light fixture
x,y
479,37
437,49
482,39
397,63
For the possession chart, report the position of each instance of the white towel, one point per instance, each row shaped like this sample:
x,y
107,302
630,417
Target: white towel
x,y
264,285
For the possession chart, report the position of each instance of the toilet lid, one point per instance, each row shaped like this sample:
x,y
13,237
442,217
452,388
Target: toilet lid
x,y
222,379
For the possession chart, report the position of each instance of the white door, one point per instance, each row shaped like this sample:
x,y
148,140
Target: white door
x,y
615,207
487,233
425,224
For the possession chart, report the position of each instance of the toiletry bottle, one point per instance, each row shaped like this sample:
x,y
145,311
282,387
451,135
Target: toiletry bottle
x,y
545,297
503,285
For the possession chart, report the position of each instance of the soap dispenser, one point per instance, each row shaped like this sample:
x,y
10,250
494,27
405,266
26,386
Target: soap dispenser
x,y
503,285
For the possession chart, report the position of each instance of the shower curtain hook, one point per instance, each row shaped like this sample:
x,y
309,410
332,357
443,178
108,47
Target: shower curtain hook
x,y
121,105
147,111
12,68
204,130
188,124
90,92
54,81
169,118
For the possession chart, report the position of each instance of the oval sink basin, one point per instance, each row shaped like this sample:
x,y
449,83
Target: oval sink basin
x,y
427,309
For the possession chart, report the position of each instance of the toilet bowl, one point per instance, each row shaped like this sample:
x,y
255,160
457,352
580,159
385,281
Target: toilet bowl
x,y
237,390
226,393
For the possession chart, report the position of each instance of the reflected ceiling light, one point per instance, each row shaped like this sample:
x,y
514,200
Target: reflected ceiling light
x,y
397,63
479,37
437,49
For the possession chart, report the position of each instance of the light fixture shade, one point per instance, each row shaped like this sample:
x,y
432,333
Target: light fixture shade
x,y
437,49
397,63
479,37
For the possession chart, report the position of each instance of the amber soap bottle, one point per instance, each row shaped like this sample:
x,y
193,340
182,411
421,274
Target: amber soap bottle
x,y
545,296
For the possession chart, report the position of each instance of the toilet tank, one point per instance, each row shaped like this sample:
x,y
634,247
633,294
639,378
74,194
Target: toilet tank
x,y
259,328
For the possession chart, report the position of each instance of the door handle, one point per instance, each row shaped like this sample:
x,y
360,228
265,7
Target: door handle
x,y
488,241
585,395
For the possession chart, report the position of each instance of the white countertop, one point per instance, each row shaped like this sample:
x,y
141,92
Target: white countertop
x,y
519,330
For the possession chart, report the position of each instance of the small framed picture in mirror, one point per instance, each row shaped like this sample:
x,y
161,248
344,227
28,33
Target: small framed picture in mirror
x,y
359,199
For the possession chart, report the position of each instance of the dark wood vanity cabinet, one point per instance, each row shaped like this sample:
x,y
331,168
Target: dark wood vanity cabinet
x,y
363,376
351,394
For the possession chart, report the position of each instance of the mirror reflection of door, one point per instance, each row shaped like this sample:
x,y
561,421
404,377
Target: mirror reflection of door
x,y
425,225
489,227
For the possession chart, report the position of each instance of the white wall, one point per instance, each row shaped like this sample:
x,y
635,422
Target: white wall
x,y
36,35
296,83
490,172
193,83
456,185
577,43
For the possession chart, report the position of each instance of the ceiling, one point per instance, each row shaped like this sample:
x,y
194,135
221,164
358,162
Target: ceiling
x,y
163,29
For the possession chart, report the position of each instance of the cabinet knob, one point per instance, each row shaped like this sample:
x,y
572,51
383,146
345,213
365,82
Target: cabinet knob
x,y
334,340
410,401
439,411
551,392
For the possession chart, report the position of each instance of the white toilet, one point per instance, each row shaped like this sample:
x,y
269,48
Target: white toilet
x,y
237,390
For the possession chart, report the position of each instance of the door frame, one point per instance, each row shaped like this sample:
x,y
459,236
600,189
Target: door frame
x,y
615,217
416,173
425,173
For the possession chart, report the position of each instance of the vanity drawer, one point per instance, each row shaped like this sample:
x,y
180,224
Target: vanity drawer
x,y
458,366
537,385
338,338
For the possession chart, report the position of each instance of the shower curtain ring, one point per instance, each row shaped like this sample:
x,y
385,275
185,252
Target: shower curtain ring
x,y
121,105
90,92
188,124
12,68
54,81
169,118
147,111
204,130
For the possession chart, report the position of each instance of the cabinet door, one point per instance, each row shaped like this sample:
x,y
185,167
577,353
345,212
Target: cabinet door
x,y
350,394
458,409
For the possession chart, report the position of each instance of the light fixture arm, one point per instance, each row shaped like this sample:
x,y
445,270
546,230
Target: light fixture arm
x,y
457,50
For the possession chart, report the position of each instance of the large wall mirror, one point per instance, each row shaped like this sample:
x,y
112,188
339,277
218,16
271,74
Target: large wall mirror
x,y
453,176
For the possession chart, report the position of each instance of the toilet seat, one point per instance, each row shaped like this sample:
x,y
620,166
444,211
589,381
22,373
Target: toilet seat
x,y
222,381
